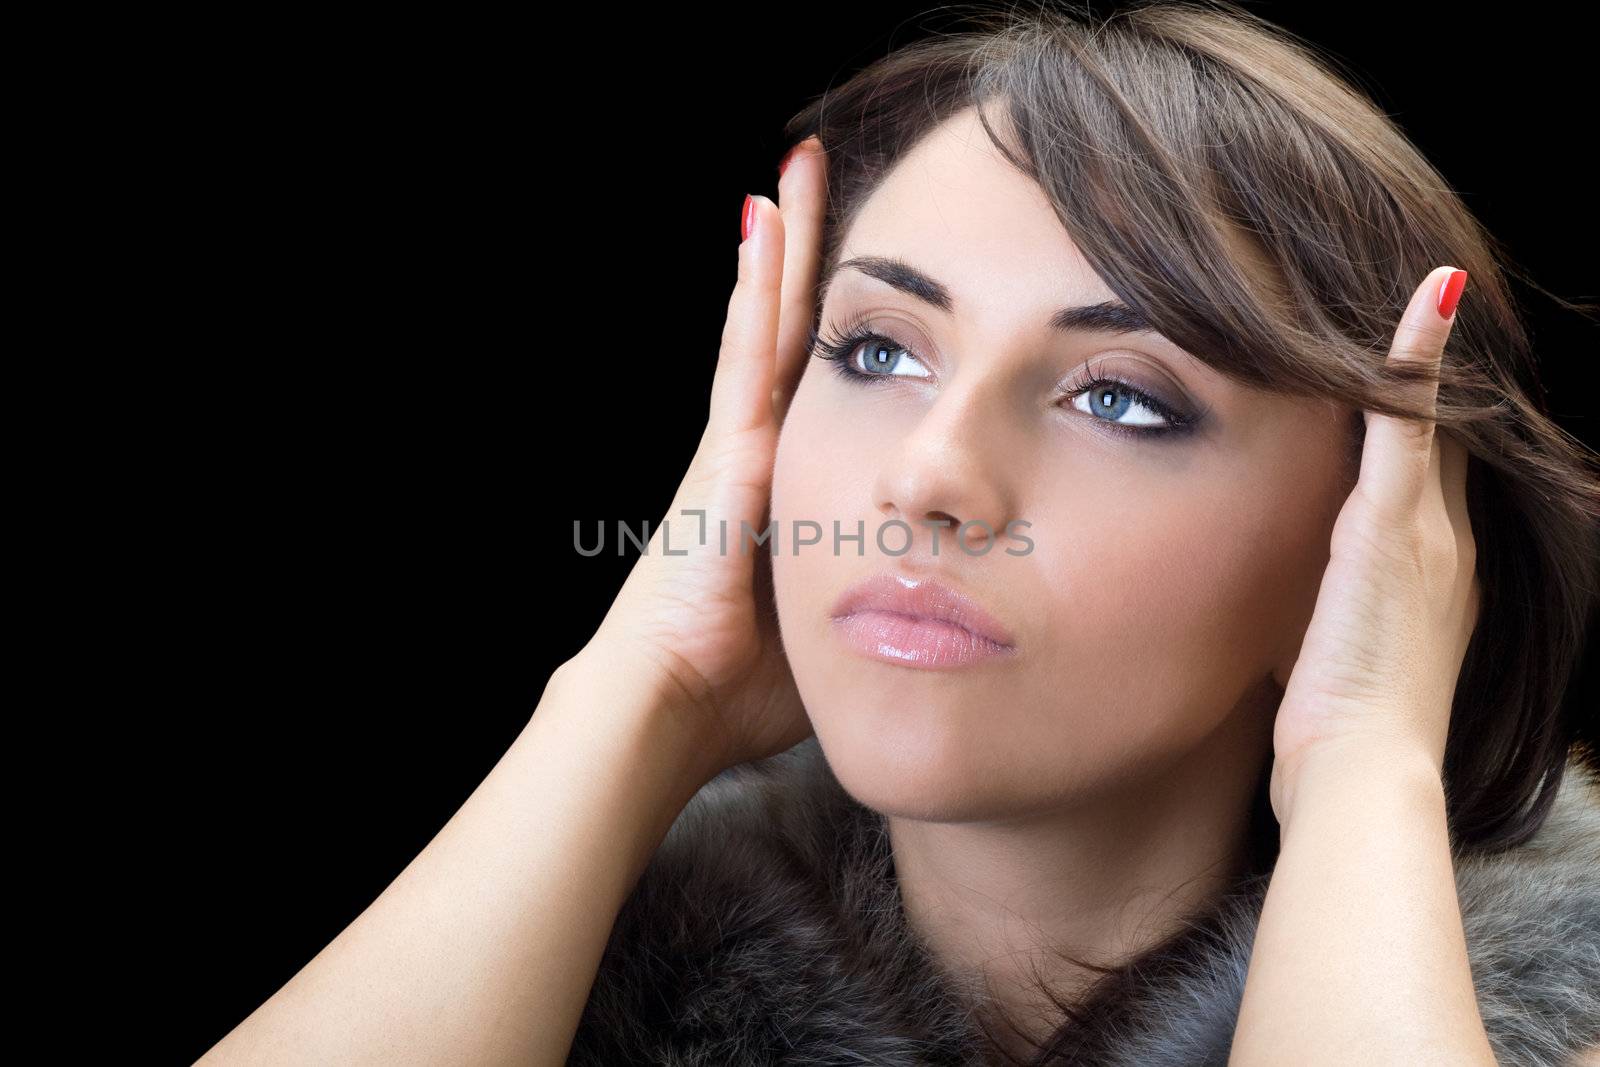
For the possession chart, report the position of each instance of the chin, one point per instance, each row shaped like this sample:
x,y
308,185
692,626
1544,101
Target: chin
x,y
925,763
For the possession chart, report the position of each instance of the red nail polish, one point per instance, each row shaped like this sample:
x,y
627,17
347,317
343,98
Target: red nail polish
x,y
1450,293
788,157
747,219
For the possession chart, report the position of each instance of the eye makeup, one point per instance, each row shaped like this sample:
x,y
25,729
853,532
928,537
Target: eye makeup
x,y
1105,392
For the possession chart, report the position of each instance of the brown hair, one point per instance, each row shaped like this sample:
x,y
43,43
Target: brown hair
x,y
1229,181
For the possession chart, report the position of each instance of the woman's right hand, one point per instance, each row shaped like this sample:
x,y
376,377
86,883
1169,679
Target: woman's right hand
x,y
701,628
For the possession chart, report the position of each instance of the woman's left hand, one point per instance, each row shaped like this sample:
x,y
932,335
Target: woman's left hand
x,y
1376,671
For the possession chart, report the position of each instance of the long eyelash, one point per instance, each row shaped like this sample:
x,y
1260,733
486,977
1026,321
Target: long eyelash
x,y
1178,422
837,345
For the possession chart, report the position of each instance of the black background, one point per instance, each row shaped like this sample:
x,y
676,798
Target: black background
x,y
445,287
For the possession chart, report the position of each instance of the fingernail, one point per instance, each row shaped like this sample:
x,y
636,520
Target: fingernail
x,y
747,218
1450,293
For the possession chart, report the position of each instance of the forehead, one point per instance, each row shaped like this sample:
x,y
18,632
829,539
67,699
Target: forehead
x,y
956,208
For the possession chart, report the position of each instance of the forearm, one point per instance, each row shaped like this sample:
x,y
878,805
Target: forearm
x,y
1360,956
484,949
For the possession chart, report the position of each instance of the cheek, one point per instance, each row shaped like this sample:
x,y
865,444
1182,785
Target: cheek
x,y
813,476
1172,603
817,477
1157,594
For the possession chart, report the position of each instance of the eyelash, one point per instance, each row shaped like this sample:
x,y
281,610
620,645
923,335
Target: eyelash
x,y
839,347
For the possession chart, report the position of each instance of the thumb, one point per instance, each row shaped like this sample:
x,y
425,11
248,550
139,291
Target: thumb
x,y
1396,453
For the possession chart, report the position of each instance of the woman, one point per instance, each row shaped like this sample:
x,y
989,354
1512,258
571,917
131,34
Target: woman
x,y
1125,557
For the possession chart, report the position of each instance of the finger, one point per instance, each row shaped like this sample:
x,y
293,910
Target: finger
x,y
741,393
802,196
1456,461
1397,453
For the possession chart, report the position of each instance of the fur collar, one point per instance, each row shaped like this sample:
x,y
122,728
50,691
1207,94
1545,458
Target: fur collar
x,y
767,928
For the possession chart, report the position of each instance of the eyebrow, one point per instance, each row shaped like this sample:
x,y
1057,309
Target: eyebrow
x,y
1107,316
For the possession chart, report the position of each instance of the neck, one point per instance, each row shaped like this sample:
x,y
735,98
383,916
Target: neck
x,y
1103,876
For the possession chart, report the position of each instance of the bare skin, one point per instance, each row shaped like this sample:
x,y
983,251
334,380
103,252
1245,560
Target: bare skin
x,y
1092,788
1024,809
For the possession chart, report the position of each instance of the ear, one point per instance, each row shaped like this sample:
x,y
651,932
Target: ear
x,y
1283,663
1280,673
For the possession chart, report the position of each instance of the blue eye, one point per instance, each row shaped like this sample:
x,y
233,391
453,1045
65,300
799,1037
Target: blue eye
x,y
1108,400
1105,400
880,356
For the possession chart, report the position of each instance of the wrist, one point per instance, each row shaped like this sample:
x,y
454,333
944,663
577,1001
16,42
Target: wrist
x,y
609,771
614,694
1342,774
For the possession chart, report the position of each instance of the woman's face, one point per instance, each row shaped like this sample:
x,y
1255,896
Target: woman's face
x,y
1168,576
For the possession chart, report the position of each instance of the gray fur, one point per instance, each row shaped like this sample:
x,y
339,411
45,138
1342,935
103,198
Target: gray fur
x,y
767,929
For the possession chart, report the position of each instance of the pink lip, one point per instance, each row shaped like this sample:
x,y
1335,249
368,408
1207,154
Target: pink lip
x,y
918,623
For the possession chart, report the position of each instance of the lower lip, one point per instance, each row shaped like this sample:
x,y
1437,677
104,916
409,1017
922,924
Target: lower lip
x,y
916,642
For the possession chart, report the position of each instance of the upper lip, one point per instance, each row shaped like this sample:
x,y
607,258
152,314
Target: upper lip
x,y
921,598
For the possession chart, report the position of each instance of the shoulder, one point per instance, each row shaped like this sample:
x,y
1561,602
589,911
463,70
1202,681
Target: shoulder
x,y
1531,915
1531,919
765,923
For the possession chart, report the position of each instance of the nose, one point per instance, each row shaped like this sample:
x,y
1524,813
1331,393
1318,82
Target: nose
x,y
954,468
